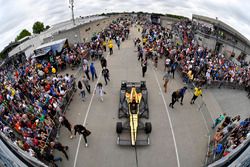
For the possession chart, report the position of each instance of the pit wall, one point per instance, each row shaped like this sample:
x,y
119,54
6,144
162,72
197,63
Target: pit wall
x,y
83,32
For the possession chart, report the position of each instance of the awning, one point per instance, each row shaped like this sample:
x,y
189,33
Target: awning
x,y
51,46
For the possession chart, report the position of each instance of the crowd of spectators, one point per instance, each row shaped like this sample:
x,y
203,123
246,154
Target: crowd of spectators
x,y
33,93
230,134
204,28
200,67
32,96
198,64
207,67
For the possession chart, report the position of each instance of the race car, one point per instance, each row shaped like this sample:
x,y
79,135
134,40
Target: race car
x,y
134,107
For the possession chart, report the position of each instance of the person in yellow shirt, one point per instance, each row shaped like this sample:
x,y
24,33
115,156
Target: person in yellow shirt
x,y
110,42
53,70
144,40
110,48
190,75
197,92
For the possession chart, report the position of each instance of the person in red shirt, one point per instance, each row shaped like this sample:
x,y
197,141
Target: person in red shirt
x,y
47,87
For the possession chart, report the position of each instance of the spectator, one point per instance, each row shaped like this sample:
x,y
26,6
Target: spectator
x,y
86,83
218,120
82,91
110,47
144,67
93,71
175,97
182,92
65,122
105,73
103,62
81,130
100,91
166,80
58,146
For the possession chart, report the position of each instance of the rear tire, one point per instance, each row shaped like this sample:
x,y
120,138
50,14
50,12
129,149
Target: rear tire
x,y
148,127
119,127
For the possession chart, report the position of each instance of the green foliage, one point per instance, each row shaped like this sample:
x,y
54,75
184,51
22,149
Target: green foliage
x,y
23,33
47,27
2,56
38,27
176,16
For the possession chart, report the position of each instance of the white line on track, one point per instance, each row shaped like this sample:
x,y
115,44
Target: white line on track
x,y
86,115
169,119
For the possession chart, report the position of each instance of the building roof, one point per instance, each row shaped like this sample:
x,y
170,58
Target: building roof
x,y
223,26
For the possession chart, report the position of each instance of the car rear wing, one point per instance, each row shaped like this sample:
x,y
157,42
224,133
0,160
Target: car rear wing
x,y
141,84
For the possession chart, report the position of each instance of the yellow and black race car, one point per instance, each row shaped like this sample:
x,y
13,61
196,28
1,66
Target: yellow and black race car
x,y
134,107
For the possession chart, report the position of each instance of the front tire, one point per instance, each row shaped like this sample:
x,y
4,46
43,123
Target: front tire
x,y
148,127
119,127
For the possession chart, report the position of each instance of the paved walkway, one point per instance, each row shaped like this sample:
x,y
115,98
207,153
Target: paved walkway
x,y
179,136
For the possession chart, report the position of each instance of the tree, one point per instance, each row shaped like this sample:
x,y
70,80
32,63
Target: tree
x,y
38,27
2,56
23,33
47,27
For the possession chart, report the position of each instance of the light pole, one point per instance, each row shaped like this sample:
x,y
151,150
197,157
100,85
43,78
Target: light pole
x,y
71,2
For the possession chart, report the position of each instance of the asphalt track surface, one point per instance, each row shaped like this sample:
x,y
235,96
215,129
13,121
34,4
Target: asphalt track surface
x,y
179,136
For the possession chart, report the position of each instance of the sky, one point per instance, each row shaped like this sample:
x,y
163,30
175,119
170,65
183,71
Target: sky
x,y
16,15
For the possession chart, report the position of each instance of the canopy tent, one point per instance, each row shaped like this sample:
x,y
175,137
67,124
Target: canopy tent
x,y
54,47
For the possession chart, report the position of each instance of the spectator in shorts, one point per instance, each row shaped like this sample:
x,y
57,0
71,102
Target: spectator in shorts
x,y
166,80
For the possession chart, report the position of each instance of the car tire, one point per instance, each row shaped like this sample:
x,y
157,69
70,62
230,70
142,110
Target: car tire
x,y
148,127
119,127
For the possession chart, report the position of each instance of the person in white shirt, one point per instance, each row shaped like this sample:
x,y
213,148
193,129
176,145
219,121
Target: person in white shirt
x,y
167,64
67,78
100,91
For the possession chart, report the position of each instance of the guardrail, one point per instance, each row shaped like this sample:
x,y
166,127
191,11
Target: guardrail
x,y
212,83
54,132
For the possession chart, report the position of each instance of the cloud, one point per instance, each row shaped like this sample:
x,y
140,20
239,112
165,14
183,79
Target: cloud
x,y
17,15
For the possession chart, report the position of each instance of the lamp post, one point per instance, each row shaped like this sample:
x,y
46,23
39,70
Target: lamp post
x,y
71,2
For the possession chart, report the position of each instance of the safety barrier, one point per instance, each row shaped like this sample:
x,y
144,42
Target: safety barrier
x,y
54,132
211,83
